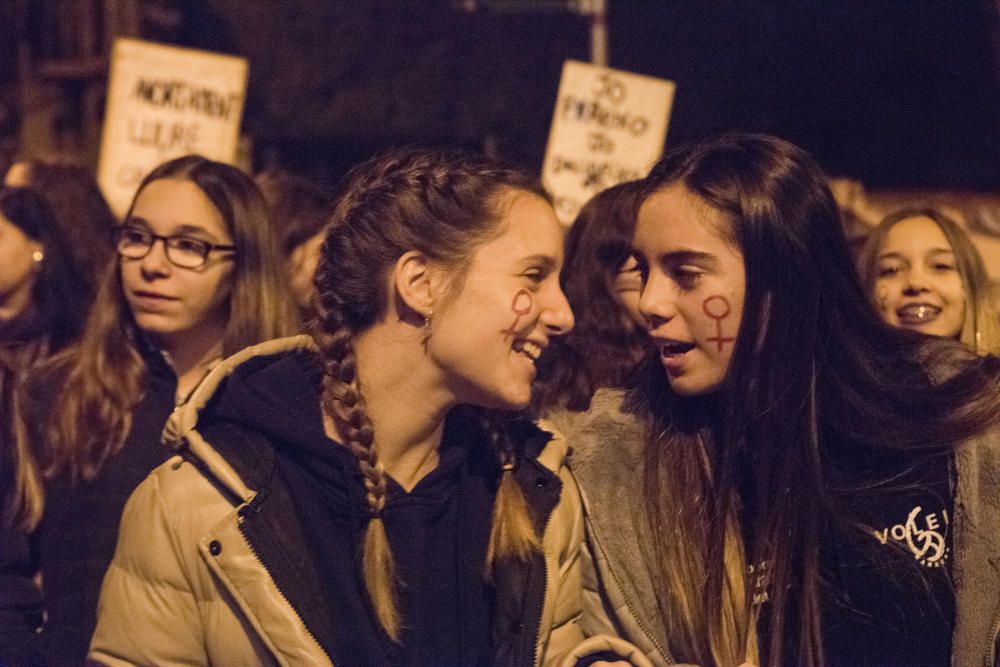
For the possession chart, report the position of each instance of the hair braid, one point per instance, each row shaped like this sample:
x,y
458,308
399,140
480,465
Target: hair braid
x,y
513,533
344,402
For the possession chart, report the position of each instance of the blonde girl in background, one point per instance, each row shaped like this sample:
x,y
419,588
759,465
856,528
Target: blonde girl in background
x,y
923,273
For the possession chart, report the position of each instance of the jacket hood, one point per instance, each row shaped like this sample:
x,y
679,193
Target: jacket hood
x,y
274,395
270,389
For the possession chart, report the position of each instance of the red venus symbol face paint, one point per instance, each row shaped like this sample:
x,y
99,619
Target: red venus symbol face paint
x,y
522,305
717,307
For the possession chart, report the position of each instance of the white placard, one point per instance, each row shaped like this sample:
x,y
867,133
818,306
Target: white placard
x,y
608,127
164,102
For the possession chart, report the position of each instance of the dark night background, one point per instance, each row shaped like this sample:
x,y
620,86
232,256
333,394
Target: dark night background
x,y
896,93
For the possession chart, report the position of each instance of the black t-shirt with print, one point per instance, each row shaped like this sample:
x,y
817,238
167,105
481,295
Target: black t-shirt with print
x,y
888,597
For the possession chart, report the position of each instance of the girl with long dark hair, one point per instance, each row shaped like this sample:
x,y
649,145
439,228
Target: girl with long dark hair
x,y
364,495
793,481
42,303
601,281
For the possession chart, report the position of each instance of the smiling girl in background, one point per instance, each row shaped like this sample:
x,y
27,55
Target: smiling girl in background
x,y
363,496
196,279
793,481
925,274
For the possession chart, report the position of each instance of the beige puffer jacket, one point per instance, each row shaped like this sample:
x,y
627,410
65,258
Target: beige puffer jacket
x,y
185,587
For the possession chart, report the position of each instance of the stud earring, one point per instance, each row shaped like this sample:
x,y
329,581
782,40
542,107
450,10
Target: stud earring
x,y
38,256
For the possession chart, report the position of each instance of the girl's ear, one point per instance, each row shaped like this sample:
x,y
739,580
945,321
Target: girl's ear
x,y
412,280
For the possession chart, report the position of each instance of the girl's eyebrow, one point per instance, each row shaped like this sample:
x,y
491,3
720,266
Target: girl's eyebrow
x,y
182,230
686,256
188,230
681,256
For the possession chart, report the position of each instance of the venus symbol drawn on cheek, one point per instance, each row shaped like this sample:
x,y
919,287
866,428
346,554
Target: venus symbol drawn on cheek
x,y
717,307
522,304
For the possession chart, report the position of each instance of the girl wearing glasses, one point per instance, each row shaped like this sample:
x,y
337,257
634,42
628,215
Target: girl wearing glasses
x,y
364,496
196,279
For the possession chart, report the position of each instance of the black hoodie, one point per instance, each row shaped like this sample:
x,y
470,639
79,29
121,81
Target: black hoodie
x,y
266,421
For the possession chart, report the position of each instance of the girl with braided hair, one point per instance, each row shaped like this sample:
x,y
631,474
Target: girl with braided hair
x,y
365,495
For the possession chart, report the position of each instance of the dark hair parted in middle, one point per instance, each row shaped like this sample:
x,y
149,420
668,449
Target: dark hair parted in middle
x,y
814,373
605,343
443,205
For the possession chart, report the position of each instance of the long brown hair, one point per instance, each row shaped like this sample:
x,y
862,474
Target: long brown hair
x,y
102,378
444,205
981,326
813,369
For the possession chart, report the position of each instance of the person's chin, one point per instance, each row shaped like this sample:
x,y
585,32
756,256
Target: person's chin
x,y
157,326
513,397
510,401
691,385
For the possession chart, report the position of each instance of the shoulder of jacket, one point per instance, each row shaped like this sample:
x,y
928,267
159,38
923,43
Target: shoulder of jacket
x,y
180,493
606,429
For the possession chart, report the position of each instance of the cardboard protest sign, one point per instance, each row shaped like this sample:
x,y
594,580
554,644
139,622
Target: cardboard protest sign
x,y
164,102
608,127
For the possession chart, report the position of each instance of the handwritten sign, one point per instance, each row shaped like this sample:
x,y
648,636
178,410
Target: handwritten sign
x,y
608,127
164,102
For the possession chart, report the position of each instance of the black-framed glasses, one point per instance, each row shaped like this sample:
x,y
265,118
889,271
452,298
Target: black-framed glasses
x,y
183,251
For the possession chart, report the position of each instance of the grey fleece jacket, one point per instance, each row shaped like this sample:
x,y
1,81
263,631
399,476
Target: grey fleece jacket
x,y
607,462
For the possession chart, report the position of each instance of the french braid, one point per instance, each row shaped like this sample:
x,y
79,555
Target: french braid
x,y
444,205
344,402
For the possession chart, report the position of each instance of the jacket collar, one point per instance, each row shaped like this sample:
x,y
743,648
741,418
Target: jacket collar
x,y
976,569
180,432
607,461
